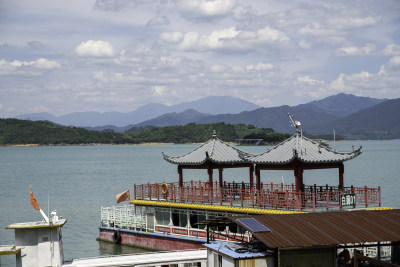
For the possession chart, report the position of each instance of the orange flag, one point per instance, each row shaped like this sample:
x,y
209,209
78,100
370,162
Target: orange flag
x,y
124,196
33,201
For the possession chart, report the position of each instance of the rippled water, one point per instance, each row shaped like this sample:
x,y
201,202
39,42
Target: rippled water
x,y
78,180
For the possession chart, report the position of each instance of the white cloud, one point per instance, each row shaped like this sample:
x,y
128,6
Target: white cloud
x,y
260,66
316,29
304,44
271,35
189,41
217,39
158,90
392,50
365,50
196,9
384,83
171,37
395,61
99,75
229,38
92,48
217,68
308,80
43,63
17,67
349,21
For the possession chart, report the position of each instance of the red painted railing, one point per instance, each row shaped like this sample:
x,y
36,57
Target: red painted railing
x,y
271,196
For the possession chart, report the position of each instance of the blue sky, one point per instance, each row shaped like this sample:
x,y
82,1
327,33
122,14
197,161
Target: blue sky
x,y
115,55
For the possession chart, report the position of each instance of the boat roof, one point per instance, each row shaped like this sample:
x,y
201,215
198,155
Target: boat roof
x,y
39,224
323,228
303,149
231,250
214,150
147,259
9,250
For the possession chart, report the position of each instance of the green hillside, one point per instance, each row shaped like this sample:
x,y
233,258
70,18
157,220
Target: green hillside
x,y
15,132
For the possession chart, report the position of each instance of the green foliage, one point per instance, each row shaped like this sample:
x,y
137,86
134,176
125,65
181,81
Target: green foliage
x,y
190,133
268,137
13,131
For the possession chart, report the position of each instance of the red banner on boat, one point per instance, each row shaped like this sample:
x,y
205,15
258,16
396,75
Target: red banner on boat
x,y
124,196
33,201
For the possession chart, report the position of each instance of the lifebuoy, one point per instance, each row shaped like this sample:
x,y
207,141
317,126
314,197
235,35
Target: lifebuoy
x,y
117,237
164,188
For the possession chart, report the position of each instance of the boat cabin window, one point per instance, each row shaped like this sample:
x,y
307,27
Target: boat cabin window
x,y
196,218
179,219
162,217
237,229
217,228
192,264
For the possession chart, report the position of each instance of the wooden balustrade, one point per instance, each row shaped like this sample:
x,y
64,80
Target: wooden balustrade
x,y
270,196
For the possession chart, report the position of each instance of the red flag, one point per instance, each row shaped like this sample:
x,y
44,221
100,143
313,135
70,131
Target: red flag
x,y
33,201
124,196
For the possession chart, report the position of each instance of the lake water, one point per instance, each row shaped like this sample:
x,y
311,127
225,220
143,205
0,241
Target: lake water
x,y
78,180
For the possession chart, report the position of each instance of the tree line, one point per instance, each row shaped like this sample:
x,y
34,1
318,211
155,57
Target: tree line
x,y
14,131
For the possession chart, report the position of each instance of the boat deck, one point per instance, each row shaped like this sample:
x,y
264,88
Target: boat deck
x,y
270,196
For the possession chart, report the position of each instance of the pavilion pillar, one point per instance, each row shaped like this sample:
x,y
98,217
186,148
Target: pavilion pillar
x,y
251,174
298,173
221,181
341,172
258,178
210,176
180,176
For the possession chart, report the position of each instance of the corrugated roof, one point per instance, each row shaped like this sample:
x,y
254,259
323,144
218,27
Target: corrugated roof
x,y
213,150
302,148
329,228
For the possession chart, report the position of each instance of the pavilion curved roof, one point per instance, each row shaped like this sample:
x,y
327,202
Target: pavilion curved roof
x,y
213,150
302,148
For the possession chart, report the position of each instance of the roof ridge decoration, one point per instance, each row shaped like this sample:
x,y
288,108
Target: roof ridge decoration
x,y
302,148
214,150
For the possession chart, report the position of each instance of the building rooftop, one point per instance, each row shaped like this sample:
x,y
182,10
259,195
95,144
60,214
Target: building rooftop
x,y
233,250
302,148
213,150
327,228
39,224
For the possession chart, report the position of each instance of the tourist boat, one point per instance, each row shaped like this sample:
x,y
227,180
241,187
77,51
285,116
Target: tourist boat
x,y
167,216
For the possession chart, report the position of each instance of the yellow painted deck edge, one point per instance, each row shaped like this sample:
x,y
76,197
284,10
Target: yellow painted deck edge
x,y
209,207
10,252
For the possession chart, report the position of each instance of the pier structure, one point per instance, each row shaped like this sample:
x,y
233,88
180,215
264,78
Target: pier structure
x,y
38,243
297,153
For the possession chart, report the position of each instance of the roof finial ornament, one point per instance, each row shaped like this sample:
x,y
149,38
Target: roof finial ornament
x,y
214,134
294,124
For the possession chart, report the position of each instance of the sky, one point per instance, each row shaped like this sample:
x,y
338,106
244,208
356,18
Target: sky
x,y
117,55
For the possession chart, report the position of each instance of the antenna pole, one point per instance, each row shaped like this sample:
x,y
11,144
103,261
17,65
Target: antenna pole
x,y
334,140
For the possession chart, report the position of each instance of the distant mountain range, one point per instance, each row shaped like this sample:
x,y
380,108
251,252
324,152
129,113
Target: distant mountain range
x,y
381,121
351,116
209,105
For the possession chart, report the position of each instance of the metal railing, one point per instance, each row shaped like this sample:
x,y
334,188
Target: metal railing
x,y
124,217
272,196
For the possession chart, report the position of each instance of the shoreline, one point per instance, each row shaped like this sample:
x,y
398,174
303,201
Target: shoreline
x,y
97,144
157,143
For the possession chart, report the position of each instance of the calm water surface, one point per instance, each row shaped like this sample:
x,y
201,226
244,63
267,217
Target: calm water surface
x,y
78,180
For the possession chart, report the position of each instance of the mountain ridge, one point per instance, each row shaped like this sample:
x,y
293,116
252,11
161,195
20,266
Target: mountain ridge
x,y
210,105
